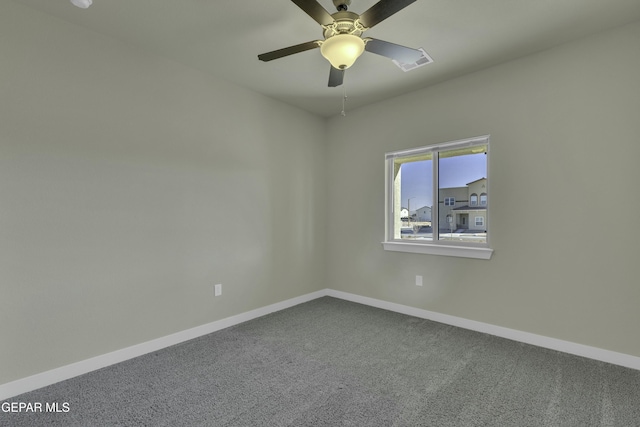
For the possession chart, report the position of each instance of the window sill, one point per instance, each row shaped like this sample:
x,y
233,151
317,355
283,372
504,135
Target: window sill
x,y
445,250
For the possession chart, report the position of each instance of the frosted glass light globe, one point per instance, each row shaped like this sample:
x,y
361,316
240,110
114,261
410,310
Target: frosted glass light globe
x,y
342,50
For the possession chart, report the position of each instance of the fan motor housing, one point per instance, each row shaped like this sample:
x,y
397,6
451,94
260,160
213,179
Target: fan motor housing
x,y
341,4
344,23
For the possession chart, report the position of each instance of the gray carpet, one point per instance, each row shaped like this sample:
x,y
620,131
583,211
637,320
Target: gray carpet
x,y
335,363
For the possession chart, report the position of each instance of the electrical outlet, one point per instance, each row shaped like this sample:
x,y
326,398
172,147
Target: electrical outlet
x,y
217,290
418,280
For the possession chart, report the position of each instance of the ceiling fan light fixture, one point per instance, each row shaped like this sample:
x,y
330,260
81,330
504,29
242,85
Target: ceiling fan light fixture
x,y
83,4
342,50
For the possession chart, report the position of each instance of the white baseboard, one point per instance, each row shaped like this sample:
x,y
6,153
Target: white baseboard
x,y
595,353
43,379
53,376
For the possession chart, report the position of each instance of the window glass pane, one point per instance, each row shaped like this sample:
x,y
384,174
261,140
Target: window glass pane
x,y
461,173
413,198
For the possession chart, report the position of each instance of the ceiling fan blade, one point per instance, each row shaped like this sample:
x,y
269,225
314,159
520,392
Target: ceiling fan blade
x,y
315,10
392,50
382,10
269,56
336,77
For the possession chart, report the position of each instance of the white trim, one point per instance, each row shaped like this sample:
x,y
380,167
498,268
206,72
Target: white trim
x,y
439,249
43,379
53,376
460,143
569,347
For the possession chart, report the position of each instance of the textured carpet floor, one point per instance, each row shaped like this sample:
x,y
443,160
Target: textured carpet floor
x,y
335,363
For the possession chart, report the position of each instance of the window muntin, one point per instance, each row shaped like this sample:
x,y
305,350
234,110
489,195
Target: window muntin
x,y
454,172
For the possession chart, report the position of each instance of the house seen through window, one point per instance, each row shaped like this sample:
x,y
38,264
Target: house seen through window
x,y
439,194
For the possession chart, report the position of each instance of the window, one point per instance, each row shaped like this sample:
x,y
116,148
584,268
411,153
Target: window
x,y
443,182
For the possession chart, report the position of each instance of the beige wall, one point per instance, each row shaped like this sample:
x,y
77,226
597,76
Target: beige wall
x,y
478,188
564,146
130,185
461,196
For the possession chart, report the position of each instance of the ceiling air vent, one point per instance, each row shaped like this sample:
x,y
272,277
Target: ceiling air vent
x,y
408,66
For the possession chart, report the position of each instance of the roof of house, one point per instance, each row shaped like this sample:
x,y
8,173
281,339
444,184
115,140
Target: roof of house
x,y
470,208
480,179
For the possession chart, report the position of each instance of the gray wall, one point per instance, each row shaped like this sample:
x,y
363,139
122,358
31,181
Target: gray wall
x,y
564,171
130,185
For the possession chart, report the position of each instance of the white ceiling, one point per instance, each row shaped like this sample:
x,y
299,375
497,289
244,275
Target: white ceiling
x,y
223,38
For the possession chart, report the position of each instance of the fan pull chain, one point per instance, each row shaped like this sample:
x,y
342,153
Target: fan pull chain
x,y
344,99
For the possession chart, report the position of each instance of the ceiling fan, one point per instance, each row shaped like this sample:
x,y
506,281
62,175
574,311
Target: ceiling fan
x,y
343,42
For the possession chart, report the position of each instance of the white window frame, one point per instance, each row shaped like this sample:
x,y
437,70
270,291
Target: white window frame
x,y
449,201
479,221
435,246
